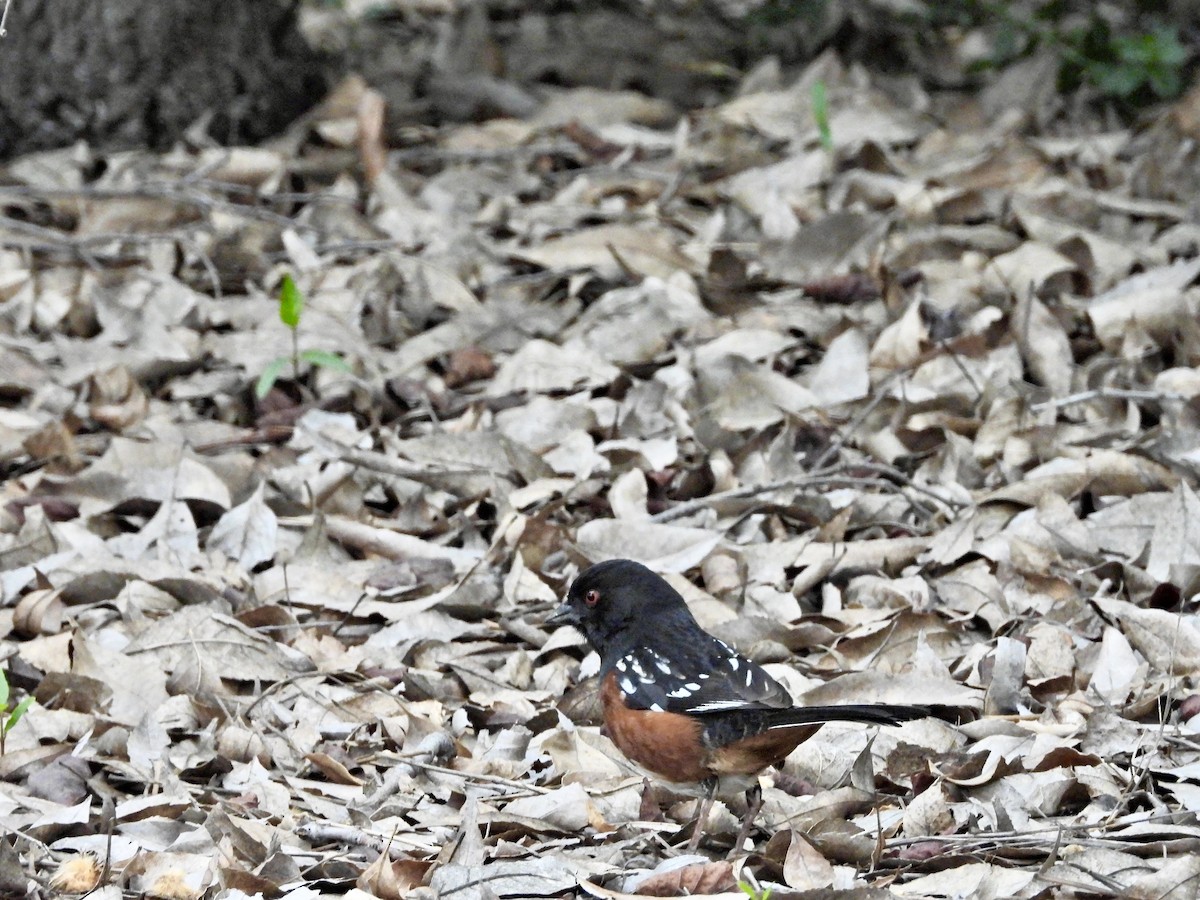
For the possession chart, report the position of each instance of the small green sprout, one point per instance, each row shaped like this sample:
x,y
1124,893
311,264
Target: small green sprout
x,y
9,719
291,310
753,891
820,111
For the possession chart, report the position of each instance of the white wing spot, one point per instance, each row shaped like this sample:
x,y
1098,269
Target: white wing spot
x,y
637,667
702,675
717,705
663,665
749,677
733,663
654,707
626,687
691,686
685,691
621,665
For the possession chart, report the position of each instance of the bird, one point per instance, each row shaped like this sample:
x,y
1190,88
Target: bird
x,y
684,704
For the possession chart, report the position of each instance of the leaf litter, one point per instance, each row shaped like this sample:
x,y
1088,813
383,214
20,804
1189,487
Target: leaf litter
x,y
916,418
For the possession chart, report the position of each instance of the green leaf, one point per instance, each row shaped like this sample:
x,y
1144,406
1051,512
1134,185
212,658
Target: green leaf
x,y
15,717
291,303
1170,51
269,376
325,359
1117,80
820,111
1006,42
1165,83
3,690
1138,49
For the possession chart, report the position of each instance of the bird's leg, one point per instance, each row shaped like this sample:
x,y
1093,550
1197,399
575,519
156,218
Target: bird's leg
x,y
754,802
710,794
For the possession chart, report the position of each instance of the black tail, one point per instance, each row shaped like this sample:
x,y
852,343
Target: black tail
x,y
872,713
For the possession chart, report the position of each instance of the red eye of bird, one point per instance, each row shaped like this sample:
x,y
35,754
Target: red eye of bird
x,y
592,598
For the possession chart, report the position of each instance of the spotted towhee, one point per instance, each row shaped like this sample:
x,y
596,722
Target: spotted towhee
x,y
684,704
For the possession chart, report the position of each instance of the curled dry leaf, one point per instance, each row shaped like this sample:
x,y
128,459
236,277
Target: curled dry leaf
x,y
116,400
39,612
332,769
393,879
1044,344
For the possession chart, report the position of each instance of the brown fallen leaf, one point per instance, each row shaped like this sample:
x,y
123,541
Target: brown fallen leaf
x,y
845,289
55,508
393,879
468,364
55,443
703,879
1189,707
332,769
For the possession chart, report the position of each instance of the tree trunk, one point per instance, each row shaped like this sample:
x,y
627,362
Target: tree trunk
x,y
122,73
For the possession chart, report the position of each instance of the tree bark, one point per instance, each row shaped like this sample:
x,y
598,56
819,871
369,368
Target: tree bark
x,y
123,73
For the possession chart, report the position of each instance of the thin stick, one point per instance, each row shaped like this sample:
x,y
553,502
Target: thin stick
x,y
1107,394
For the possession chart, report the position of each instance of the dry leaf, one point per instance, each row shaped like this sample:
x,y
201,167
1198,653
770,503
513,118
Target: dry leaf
x,y
689,880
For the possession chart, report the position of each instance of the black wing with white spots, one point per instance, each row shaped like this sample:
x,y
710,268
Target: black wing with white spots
x,y
707,676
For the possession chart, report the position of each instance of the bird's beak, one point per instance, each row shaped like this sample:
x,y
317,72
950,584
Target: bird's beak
x,y
566,614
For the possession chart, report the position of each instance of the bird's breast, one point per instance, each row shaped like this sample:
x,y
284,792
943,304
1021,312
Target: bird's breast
x,y
668,744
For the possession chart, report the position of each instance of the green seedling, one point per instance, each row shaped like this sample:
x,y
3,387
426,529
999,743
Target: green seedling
x,y
291,310
9,719
820,111
1134,63
753,891
1142,63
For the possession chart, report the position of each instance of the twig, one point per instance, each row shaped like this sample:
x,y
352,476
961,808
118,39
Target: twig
x,y
329,833
500,154
480,777
153,191
379,462
1033,836
963,370
1107,394
276,685
857,421
499,876
896,481
894,473
688,507
50,240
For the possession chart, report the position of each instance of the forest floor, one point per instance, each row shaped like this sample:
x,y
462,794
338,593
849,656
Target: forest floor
x,y
906,406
